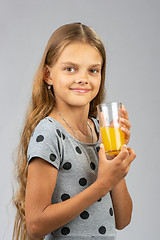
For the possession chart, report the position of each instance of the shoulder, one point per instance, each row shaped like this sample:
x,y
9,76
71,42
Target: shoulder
x,y
47,127
45,124
45,142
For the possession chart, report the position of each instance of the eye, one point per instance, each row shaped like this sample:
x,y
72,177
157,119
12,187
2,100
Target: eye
x,y
94,71
69,69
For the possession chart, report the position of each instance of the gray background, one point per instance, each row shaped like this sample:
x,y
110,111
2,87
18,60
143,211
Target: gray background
x,y
130,32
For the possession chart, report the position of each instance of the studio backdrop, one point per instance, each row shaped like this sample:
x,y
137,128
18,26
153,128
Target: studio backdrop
x,y
130,32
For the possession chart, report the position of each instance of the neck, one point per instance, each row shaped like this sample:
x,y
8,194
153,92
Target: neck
x,y
76,122
76,117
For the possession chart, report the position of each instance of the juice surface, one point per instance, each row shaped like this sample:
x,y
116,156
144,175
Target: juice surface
x,y
113,139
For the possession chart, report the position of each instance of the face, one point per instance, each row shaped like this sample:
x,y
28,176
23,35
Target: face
x,y
76,76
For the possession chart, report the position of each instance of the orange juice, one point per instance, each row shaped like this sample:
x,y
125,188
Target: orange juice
x,y
113,139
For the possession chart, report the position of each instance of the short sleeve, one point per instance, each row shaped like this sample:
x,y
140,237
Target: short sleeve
x,y
45,143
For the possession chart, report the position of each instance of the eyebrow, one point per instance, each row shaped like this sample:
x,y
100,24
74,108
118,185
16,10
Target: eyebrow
x,y
96,65
74,64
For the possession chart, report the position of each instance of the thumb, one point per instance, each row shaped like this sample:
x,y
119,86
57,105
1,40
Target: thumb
x,y
101,151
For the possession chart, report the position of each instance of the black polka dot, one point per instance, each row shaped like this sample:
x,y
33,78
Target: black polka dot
x,y
78,150
99,200
63,136
102,230
97,148
65,196
58,132
82,181
50,120
111,211
67,166
92,165
52,157
65,231
40,138
84,215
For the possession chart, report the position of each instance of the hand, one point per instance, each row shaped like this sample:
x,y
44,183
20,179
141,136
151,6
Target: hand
x,y
126,125
110,173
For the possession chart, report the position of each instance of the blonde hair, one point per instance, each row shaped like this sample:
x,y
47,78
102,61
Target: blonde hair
x,y
42,103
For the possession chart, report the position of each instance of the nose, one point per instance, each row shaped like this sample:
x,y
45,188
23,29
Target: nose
x,y
82,78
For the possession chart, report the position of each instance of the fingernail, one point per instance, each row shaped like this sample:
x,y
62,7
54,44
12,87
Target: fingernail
x,y
124,145
101,145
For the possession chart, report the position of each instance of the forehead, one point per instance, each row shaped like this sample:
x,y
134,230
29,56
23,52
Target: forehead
x,y
80,52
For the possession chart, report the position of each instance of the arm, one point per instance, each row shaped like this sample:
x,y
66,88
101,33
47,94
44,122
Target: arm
x,y
42,217
122,204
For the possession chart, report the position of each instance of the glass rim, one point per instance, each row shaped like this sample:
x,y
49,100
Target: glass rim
x,y
110,103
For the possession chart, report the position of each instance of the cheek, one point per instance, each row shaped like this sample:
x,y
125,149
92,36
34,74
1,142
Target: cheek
x,y
64,80
97,84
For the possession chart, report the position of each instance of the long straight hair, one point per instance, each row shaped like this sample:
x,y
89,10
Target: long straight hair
x,y
42,103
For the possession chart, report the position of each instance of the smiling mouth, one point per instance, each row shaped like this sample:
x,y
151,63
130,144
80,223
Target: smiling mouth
x,y
80,90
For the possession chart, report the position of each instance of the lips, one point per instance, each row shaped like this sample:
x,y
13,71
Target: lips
x,y
80,90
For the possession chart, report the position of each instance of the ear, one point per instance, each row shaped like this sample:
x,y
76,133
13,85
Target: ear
x,y
46,75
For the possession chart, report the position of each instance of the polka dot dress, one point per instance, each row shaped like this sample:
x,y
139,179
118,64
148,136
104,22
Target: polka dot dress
x,y
77,163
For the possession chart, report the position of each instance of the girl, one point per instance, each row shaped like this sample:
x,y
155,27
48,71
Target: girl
x,y
69,189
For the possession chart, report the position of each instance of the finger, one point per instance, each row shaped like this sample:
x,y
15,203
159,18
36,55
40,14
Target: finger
x,y
126,123
123,153
131,152
126,131
124,112
101,151
127,135
129,159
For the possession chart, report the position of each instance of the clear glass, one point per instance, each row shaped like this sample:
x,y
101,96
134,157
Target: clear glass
x,y
110,127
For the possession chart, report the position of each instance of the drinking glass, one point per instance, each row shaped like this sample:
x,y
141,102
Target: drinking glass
x,y
110,127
